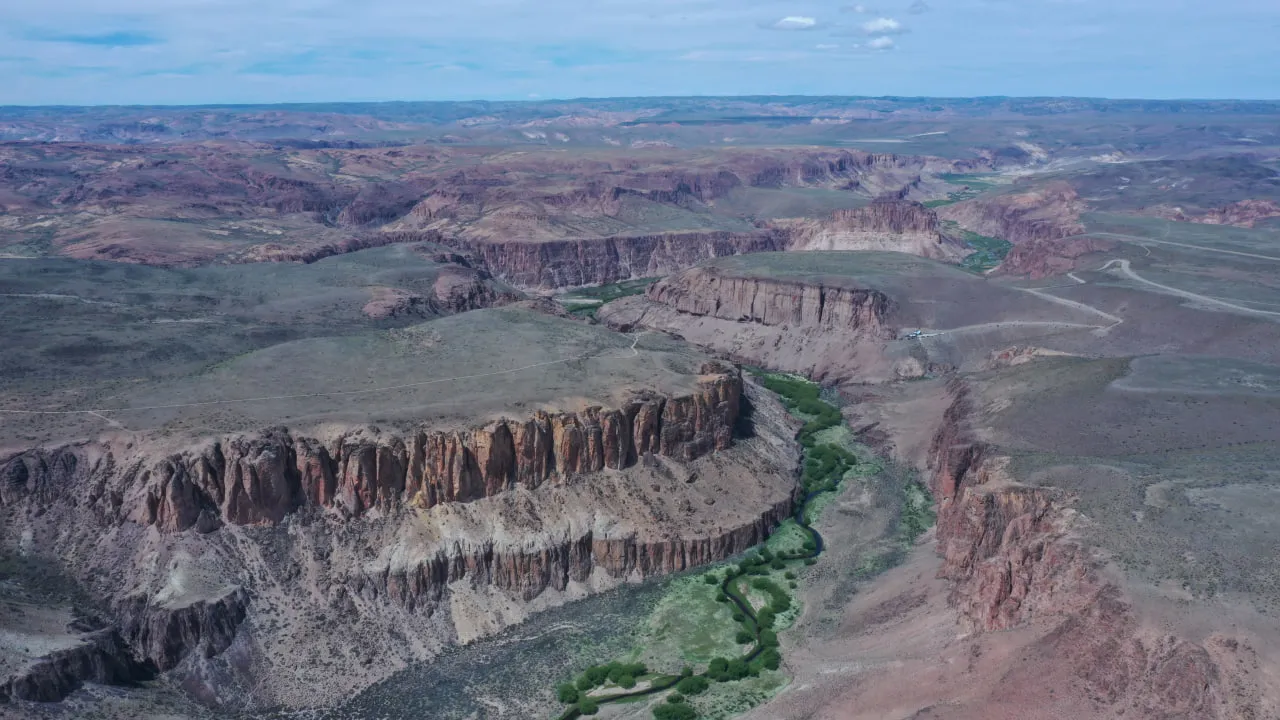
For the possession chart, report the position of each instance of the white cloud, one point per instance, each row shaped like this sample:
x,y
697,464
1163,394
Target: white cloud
x,y
861,9
881,43
883,26
825,46
795,22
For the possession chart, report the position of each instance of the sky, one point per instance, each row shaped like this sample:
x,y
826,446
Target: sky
x,y
92,52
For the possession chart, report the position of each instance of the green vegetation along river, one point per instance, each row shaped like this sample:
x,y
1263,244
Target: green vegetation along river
x,y
758,592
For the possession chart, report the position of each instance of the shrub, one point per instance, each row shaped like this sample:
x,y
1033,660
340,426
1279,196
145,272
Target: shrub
x,y
792,585
771,659
766,618
738,669
692,685
567,693
743,637
768,638
584,683
778,564
588,705
686,671
810,561
626,682
674,711
739,617
790,575
711,579
675,698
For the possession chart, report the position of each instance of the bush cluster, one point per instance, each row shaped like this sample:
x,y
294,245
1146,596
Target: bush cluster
x,y
674,711
619,673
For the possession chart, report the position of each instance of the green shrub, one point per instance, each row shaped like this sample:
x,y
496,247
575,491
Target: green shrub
x,y
626,682
686,671
675,698
743,637
674,711
792,585
790,575
711,579
739,617
737,669
810,561
722,598
768,639
766,617
588,705
567,693
777,564
771,659
693,685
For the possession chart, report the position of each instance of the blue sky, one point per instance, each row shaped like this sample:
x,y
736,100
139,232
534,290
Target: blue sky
x,y
219,51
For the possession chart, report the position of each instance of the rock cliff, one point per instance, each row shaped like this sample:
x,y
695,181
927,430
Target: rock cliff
x,y
1013,555
263,477
1045,258
1049,212
103,658
771,301
230,562
889,225
593,261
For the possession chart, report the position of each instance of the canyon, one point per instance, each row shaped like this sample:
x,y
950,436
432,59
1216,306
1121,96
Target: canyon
x,y
301,404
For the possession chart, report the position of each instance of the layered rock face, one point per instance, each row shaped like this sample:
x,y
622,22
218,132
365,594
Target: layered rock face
x,y
1050,212
103,658
219,562
1013,557
887,225
1045,258
262,478
829,330
591,261
708,292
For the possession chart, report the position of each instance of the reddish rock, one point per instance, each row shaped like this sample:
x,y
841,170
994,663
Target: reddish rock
x,y
1049,212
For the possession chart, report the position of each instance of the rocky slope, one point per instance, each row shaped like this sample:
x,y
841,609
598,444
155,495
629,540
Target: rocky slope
x,y
1048,212
1045,258
1014,555
214,562
1245,213
886,225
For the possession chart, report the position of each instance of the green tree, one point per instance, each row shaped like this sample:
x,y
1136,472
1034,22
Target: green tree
x,y
588,705
694,685
567,693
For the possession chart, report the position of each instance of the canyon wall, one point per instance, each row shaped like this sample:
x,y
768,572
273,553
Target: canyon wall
x,y
1049,212
886,225
1014,556
593,261
771,301
261,478
277,550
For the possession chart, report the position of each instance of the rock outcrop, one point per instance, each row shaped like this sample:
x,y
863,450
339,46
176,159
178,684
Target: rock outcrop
x,y
423,585
1049,212
261,478
771,301
1045,258
592,261
103,658
887,225
165,635
1013,556
1245,213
